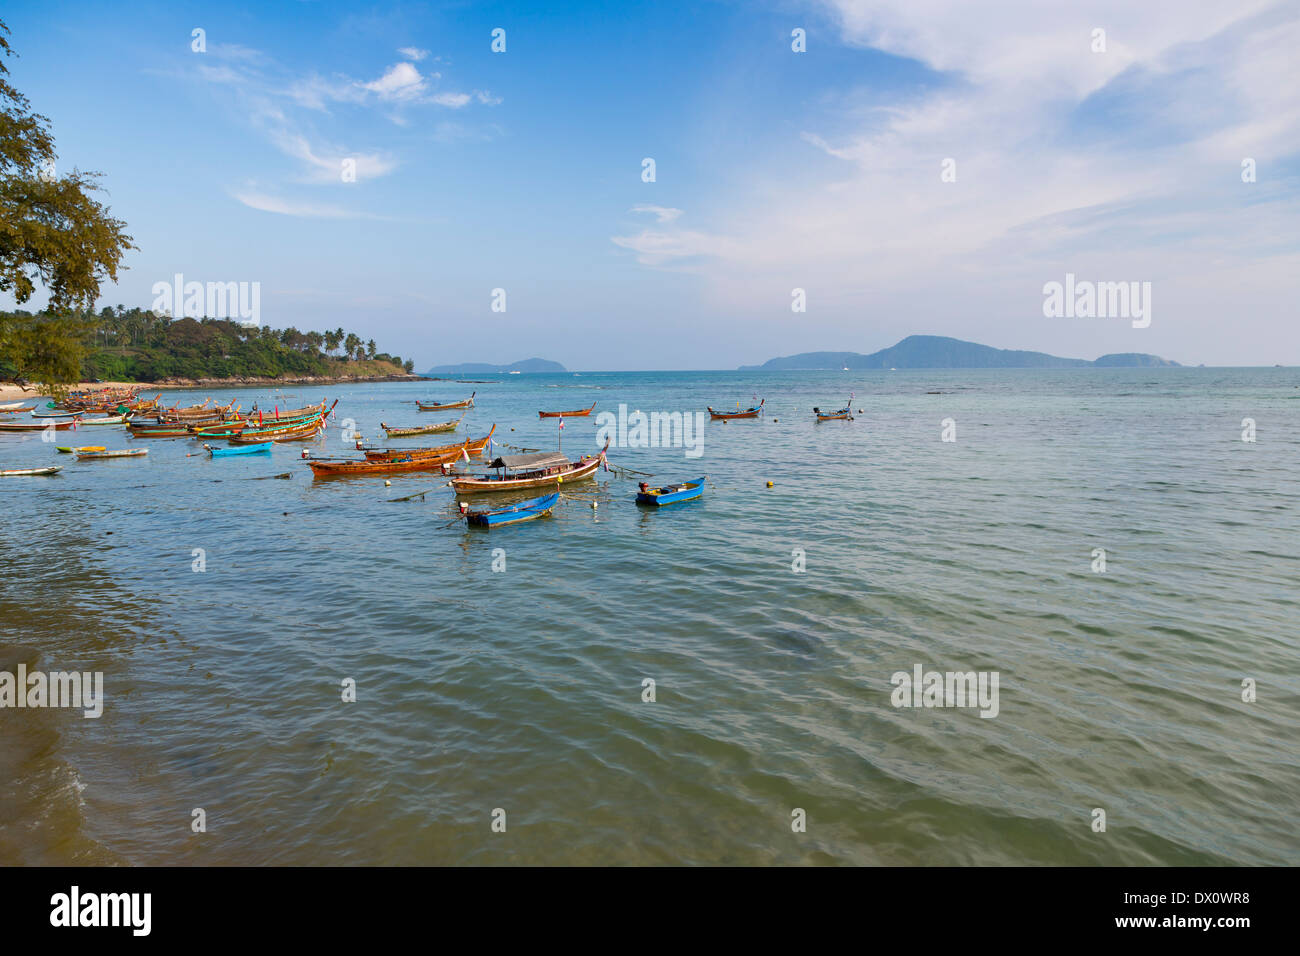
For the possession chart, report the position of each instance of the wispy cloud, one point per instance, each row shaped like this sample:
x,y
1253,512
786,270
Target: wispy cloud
x,y
288,207
1054,159
661,213
275,101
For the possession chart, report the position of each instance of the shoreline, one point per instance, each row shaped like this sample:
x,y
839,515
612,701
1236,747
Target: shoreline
x,y
10,392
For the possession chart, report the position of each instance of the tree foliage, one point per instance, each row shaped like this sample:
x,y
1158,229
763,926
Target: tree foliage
x,y
54,233
137,345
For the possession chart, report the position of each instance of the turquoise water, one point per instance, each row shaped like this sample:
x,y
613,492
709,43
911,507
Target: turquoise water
x,y
522,689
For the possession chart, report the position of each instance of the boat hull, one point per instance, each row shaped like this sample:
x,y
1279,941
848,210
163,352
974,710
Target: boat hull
x,y
420,429
334,469
578,471
672,494
38,426
440,406
303,433
524,511
473,446
28,472
580,413
259,449
747,413
117,453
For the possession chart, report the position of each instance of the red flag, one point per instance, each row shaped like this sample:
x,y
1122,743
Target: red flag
x,y
561,422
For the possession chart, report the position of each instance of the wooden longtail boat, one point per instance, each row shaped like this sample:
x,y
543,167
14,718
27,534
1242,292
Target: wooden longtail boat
x,y
20,472
257,449
439,406
67,451
580,413
670,494
179,409
243,425
524,511
19,409
116,453
272,414
155,430
13,407
844,414
58,425
420,429
110,420
293,433
541,470
752,412
473,446
197,413
59,414
363,466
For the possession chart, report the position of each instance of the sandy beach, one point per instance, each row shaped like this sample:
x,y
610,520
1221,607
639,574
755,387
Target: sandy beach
x,y
9,392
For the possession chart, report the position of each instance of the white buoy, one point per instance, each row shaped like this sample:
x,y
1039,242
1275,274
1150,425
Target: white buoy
x,y
593,506
387,482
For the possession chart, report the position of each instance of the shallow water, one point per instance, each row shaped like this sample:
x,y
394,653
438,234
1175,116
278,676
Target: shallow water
x,y
522,689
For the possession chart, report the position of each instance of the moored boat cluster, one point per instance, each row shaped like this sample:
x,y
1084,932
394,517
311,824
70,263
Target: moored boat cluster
x,y
257,430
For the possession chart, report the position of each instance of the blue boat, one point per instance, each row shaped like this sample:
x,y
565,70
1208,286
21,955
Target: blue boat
x,y
670,494
259,448
524,511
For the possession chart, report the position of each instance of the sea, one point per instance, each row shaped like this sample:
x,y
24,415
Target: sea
x,y
303,671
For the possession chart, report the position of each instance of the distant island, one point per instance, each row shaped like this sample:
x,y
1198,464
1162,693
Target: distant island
x,y
480,368
938,351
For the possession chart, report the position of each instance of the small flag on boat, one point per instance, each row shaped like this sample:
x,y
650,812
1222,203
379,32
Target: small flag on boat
x,y
561,422
464,453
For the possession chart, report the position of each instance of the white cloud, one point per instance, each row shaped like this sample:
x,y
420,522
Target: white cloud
x,y
1124,162
326,166
286,207
413,53
453,100
661,213
401,81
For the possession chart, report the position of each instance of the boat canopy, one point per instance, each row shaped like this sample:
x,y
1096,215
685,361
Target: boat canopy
x,y
546,459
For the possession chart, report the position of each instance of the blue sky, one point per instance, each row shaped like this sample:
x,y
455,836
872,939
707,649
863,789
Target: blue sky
x,y
775,170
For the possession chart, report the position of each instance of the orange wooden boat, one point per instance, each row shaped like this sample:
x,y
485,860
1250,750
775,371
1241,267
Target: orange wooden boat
x,y
365,466
474,446
57,425
580,413
301,431
747,413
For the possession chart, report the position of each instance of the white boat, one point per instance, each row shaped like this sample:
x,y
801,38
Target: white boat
x,y
19,472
